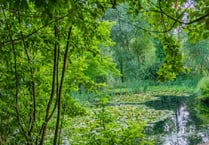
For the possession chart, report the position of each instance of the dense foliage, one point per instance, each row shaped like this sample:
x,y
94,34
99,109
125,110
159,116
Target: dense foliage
x,y
51,49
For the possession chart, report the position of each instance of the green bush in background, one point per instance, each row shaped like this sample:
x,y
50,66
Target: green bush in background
x,y
203,89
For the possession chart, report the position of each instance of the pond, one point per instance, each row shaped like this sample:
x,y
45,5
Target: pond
x,y
189,124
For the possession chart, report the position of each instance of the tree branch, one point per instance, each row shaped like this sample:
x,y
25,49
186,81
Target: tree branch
x,y
182,22
36,31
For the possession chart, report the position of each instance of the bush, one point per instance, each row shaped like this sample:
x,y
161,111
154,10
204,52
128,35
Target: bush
x,y
150,72
203,89
72,108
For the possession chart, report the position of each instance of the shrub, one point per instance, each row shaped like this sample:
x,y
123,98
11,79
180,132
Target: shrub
x,y
72,108
203,89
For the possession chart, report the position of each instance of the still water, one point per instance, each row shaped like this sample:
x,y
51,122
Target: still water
x,y
189,124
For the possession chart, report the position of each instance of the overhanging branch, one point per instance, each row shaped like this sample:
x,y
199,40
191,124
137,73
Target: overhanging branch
x,y
35,31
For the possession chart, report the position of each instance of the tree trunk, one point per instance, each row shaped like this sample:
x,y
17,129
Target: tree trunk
x,y
121,71
56,134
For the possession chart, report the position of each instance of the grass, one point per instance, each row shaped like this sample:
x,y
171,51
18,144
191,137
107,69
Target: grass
x,y
186,86
177,88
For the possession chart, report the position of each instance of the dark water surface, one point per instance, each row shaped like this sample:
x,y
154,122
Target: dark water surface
x,y
189,124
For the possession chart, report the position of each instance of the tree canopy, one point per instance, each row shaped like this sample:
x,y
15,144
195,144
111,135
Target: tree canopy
x,y
49,48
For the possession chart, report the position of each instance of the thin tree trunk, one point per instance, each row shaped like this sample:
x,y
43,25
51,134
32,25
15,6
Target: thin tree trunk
x,y
33,88
16,78
54,76
121,70
60,131
56,135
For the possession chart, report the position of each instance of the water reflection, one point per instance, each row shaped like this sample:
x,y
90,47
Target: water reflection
x,y
184,127
180,120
